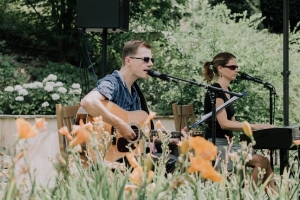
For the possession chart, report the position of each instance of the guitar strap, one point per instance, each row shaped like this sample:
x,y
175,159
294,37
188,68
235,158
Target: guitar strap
x,y
143,101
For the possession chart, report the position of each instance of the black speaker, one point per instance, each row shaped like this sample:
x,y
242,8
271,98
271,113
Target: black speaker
x,y
95,15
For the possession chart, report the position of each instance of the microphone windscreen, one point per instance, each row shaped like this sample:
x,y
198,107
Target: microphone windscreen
x,y
244,75
153,73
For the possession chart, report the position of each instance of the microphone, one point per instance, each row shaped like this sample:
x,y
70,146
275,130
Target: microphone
x,y
164,77
250,78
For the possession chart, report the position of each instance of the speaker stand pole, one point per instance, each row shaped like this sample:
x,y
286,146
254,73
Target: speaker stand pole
x,y
104,52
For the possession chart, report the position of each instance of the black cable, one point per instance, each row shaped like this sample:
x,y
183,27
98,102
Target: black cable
x,y
88,54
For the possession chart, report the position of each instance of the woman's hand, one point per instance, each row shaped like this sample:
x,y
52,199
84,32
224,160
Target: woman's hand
x,y
261,126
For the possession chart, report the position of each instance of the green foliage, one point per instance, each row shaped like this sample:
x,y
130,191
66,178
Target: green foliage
x,y
9,70
51,26
272,11
208,31
65,72
38,97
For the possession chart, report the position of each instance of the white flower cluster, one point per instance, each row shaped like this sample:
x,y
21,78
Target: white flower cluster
x,y
48,84
45,104
9,89
51,77
48,88
55,96
34,85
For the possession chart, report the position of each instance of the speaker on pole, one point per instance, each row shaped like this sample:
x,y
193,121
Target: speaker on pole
x,y
96,15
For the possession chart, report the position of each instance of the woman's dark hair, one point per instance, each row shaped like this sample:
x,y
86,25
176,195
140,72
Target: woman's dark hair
x,y
221,59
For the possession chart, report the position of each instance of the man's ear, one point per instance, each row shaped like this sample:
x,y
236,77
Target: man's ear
x,y
127,61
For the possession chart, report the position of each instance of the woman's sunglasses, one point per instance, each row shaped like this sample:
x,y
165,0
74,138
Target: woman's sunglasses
x,y
145,59
231,67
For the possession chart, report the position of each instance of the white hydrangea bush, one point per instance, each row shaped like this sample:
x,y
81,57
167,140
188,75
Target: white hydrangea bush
x,y
38,97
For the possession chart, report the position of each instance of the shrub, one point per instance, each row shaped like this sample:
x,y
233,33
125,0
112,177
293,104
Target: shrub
x,y
38,97
206,31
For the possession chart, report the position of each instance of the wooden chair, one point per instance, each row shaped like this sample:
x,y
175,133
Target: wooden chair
x,y
65,117
183,115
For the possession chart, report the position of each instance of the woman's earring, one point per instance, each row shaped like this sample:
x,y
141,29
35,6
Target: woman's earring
x,y
220,75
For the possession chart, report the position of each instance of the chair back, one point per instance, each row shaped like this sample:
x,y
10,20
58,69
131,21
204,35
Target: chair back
x,y
65,117
183,116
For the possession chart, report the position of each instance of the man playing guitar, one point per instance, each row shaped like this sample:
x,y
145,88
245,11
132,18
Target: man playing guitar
x,y
121,89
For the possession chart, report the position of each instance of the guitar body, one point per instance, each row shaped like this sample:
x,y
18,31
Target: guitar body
x,y
118,147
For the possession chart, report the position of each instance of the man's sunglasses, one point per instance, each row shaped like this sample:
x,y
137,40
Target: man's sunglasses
x,y
231,67
145,59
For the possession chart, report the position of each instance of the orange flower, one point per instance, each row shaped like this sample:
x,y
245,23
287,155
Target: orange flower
x,y
25,129
203,148
196,164
136,175
150,117
158,124
150,176
204,166
40,123
132,160
209,172
82,134
88,126
296,142
65,131
247,129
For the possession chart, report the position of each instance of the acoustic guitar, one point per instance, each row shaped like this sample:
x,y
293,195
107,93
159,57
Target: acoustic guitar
x,y
119,145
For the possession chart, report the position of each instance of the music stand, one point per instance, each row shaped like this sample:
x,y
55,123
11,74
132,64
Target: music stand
x,y
218,110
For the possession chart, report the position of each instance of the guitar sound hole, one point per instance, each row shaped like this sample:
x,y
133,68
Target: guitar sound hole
x,y
137,134
122,145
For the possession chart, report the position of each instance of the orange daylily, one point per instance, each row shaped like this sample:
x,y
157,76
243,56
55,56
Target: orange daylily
x,y
25,129
136,175
150,117
88,126
82,134
40,123
158,124
132,160
209,172
205,151
203,148
204,166
150,175
247,129
65,131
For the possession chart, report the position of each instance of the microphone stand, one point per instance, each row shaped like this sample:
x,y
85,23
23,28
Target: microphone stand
x,y
272,92
283,154
212,92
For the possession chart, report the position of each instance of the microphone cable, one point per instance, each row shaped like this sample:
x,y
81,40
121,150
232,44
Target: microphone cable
x,y
88,54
